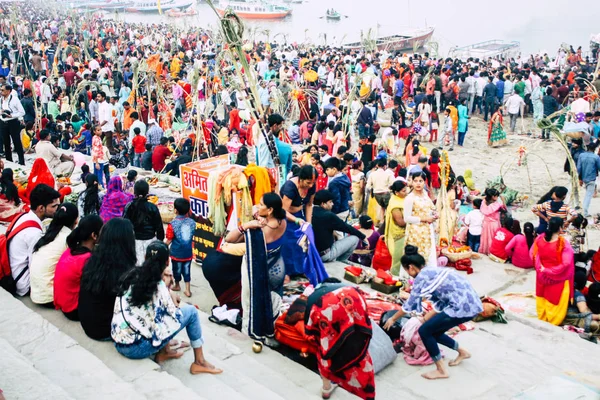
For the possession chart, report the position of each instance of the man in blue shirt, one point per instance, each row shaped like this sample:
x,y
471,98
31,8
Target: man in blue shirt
x,y
399,87
588,165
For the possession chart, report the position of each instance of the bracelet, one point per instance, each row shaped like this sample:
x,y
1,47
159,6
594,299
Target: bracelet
x,y
241,229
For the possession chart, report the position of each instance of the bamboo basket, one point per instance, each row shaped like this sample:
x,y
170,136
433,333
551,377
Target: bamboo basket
x,y
454,257
167,212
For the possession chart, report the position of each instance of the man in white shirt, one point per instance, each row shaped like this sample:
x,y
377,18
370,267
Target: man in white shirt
x,y
106,120
136,124
580,105
472,91
60,164
11,111
44,202
514,104
379,182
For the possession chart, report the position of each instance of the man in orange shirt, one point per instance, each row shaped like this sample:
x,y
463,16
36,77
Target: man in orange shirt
x,y
127,120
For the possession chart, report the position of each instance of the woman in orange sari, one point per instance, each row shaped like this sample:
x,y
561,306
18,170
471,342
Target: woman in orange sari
x,y
554,265
407,78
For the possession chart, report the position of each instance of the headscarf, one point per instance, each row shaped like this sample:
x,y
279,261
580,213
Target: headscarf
x,y
115,200
40,173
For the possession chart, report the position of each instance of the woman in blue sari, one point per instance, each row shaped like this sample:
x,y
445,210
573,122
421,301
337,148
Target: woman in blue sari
x,y
297,195
263,270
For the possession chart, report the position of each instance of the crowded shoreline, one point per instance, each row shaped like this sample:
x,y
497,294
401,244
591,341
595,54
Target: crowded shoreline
x,y
386,154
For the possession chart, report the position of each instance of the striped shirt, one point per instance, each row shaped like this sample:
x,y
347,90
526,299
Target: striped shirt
x,y
546,208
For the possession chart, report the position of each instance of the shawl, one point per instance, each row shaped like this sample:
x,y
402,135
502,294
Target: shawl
x,y
314,269
262,182
115,200
261,324
395,202
468,175
40,173
338,322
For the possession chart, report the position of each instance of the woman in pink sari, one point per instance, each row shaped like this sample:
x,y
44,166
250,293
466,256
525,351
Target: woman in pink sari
x,y
115,200
490,208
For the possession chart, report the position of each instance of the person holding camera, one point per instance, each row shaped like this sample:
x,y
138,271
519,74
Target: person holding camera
x,y
11,111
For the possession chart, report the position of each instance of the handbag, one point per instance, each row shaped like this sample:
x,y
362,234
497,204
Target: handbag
x,y
382,259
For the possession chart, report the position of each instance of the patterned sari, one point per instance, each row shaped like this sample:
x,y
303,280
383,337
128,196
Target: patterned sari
x,y
496,134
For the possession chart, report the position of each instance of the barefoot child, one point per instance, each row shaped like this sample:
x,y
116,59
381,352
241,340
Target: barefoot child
x,y
454,298
179,235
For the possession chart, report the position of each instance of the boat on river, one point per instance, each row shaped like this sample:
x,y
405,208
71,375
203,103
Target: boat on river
x,y
254,9
333,15
152,6
177,13
398,42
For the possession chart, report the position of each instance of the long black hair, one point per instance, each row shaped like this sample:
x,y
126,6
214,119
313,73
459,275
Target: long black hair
x,y
87,226
114,255
8,187
137,208
489,194
547,196
91,201
66,215
554,226
412,257
144,280
272,200
242,156
528,231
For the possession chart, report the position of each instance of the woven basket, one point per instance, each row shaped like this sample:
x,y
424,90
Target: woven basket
x,y
454,257
167,212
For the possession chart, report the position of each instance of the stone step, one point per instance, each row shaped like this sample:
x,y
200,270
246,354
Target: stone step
x,y
146,377
20,379
57,356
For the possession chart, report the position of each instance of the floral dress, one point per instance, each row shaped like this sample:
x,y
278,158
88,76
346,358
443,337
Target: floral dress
x,y
420,234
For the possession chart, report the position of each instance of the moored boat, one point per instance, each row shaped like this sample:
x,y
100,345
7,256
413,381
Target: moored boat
x,y
177,13
399,42
254,9
153,6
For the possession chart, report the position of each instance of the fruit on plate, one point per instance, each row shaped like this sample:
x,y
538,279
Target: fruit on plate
x,y
64,180
153,199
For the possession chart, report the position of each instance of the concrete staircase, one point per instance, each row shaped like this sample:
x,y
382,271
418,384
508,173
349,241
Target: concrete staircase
x,y
44,345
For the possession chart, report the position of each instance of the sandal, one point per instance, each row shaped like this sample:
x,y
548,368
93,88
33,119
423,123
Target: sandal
x,y
326,394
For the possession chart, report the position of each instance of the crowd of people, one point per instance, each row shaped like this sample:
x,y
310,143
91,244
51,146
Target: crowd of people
x,y
87,94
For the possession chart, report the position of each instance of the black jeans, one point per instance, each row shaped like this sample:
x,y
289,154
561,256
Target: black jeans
x,y
489,109
12,130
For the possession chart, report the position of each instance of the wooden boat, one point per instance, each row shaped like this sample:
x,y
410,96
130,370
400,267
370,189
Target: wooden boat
x,y
177,13
152,6
333,15
398,42
254,9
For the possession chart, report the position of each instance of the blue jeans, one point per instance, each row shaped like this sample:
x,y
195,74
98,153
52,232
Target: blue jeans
x,y
137,157
181,268
99,172
144,348
473,242
434,331
461,138
590,189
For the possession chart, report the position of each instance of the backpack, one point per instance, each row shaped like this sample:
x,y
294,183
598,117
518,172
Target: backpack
x,y
7,282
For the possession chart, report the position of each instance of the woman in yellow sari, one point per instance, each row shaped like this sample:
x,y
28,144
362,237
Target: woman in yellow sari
x,y
395,227
554,266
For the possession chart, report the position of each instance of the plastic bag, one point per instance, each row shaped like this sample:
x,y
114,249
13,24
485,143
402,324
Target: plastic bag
x,y
382,259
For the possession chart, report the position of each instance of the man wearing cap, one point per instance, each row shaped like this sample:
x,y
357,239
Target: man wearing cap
x,y
328,223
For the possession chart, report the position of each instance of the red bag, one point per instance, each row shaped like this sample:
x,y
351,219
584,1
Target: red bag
x,y
382,259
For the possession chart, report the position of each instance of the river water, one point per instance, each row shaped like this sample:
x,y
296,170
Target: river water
x,y
540,25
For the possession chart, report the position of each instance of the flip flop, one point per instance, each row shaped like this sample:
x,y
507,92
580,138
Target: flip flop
x,y
326,394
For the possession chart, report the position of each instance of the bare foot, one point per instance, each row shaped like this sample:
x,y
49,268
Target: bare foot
x,y
176,287
188,293
462,355
204,368
435,374
167,355
286,280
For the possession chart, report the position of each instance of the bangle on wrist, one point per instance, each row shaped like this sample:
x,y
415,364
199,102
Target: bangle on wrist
x,y
241,229
297,221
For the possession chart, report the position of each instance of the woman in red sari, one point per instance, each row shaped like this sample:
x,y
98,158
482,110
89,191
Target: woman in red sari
x,y
407,78
554,265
